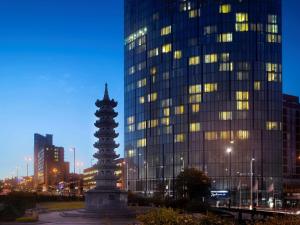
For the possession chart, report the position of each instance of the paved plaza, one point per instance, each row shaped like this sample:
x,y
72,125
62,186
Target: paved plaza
x,y
55,218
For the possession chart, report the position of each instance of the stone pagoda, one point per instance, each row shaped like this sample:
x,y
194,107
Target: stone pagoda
x,y
106,199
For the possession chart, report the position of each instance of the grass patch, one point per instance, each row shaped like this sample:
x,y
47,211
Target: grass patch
x,y
27,219
61,206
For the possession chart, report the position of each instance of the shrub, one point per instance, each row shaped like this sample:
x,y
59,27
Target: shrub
x,y
196,206
286,220
166,216
27,219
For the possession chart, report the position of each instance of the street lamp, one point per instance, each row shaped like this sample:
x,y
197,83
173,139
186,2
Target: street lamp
x,y
251,183
229,151
182,160
27,159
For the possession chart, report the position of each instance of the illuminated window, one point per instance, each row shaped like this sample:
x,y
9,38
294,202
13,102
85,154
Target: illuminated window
x,y
153,70
130,120
166,102
166,30
273,67
141,143
142,125
270,125
223,67
131,128
153,123
131,152
194,60
167,130
194,13
167,48
242,105
273,38
210,30
242,75
179,138
257,85
152,97
142,83
177,54
242,95
211,58
195,89
241,22
272,28
179,110
195,108
142,100
194,127
226,37
273,77
225,115
210,87
165,121
211,136
195,98
272,19
166,111
242,134
153,52
225,8
225,57
241,17
131,70
225,135
141,66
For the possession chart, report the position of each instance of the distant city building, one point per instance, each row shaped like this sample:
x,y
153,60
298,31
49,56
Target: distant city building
x,y
89,176
291,146
51,167
40,142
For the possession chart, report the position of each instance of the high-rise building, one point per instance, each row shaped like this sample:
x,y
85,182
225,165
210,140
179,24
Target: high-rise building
x,y
291,145
40,142
203,89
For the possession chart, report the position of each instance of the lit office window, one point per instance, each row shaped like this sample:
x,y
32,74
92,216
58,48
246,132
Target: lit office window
x,y
211,58
142,100
257,85
153,52
225,57
226,37
271,125
142,125
242,134
272,28
195,108
177,54
141,143
195,98
179,138
152,97
211,136
142,83
194,60
165,121
225,8
166,48
179,110
242,17
272,19
225,135
153,123
223,67
130,120
166,30
242,22
131,70
194,127
166,102
166,111
131,128
210,87
242,95
195,89
225,115
194,13
242,105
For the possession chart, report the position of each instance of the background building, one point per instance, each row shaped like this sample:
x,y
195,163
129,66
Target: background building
x,y
201,77
40,142
291,146
89,176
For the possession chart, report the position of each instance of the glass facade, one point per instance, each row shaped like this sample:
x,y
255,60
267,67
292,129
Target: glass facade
x,y
201,77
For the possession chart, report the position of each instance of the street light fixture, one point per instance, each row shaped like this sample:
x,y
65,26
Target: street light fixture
x,y
27,160
251,183
229,151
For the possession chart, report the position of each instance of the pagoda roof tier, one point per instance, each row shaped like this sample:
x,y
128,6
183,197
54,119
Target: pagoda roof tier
x,y
105,155
106,167
105,112
105,123
106,102
106,145
106,134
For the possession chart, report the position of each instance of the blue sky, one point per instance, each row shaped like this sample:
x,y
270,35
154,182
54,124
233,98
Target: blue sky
x,y
56,55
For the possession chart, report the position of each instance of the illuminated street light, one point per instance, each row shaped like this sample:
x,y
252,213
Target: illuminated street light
x,y
27,160
251,183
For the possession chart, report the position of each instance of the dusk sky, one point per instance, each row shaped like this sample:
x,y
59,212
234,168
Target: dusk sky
x,y
55,57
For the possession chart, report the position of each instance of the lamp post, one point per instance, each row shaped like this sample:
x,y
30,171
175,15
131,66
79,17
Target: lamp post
x,y
182,160
74,169
229,151
27,159
251,183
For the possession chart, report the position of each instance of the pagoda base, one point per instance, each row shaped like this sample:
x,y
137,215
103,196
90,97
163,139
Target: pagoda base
x,y
104,203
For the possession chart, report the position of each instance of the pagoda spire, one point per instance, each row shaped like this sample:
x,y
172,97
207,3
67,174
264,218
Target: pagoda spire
x,y
106,95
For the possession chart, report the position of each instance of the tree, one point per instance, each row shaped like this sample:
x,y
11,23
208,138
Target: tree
x,y
192,184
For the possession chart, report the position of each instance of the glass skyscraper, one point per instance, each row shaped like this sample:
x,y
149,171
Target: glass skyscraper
x,y
203,89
